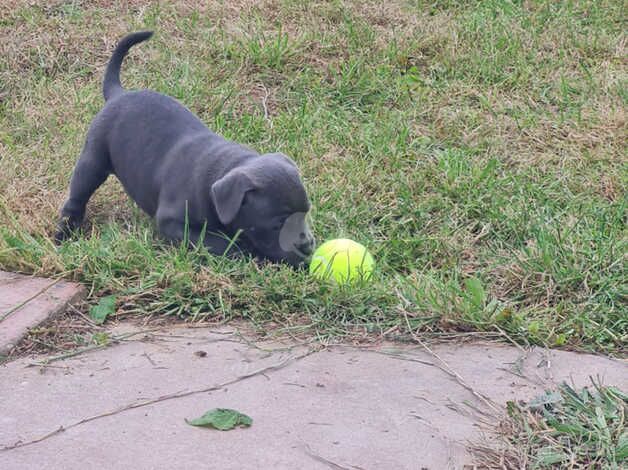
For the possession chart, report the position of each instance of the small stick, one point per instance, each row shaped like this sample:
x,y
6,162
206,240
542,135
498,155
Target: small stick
x,y
85,317
265,107
514,343
403,358
449,371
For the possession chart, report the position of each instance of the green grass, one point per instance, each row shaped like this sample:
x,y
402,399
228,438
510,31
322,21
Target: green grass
x,y
477,148
565,428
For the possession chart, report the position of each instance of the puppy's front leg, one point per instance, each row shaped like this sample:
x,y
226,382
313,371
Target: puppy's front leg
x,y
173,230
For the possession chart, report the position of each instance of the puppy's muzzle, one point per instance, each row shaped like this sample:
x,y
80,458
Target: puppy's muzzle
x,y
296,237
306,246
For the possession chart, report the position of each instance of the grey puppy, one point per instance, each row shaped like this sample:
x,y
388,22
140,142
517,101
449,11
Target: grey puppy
x,y
184,175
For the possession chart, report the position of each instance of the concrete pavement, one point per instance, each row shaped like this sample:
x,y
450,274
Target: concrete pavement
x,y
389,407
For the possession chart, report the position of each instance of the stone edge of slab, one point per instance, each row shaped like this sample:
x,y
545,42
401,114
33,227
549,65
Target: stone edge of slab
x,y
12,338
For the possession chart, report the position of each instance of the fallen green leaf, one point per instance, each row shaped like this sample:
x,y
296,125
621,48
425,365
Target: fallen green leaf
x,y
223,419
106,306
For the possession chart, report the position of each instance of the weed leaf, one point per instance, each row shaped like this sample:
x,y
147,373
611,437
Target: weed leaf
x,y
106,306
548,456
478,295
223,419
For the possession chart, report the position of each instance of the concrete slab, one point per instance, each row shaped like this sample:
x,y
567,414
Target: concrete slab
x,y
342,408
27,301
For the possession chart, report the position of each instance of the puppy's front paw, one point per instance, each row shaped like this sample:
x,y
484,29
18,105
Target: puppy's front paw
x,y
65,228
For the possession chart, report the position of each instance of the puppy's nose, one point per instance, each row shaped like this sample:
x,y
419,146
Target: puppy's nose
x,y
306,246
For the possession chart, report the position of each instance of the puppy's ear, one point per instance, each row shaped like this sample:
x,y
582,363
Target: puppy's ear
x,y
228,193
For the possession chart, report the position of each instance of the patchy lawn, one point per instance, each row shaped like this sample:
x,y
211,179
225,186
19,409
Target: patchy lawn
x,y
564,428
477,148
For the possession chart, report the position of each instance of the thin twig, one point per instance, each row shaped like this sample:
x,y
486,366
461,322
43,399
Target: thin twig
x,y
402,357
254,345
451,372
150,359
20,305
91,347
512,341
321,459
88,320
264,100
152,401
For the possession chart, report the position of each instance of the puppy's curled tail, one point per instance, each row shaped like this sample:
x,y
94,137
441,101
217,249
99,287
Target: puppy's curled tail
x,y
111,85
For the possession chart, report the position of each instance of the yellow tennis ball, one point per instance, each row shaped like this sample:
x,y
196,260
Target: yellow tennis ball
x,y
343,260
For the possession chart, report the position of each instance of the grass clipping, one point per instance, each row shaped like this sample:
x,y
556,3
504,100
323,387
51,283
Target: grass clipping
x,y
566,428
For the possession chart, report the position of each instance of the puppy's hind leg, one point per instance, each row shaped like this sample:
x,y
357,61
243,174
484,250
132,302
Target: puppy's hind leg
x,y
92,169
